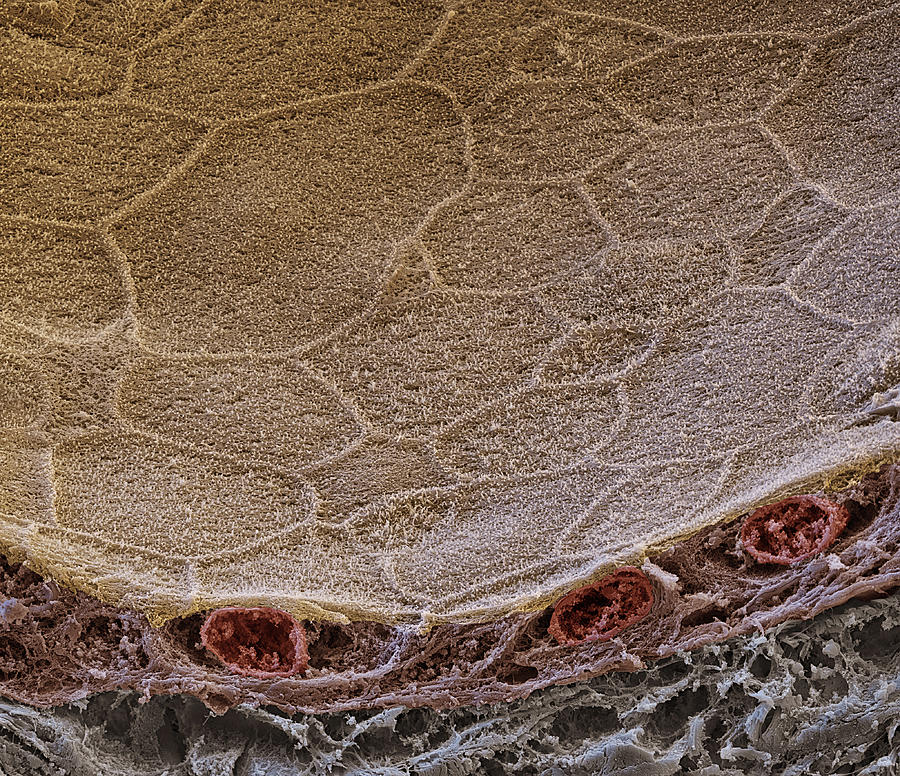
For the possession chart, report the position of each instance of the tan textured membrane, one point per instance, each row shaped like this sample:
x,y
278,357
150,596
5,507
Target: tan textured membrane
x,y
419,313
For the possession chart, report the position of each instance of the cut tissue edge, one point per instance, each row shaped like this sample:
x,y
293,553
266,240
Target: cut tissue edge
x,y
705,589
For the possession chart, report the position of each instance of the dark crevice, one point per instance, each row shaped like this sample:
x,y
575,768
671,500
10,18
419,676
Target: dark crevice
x,y
516,674
171,744
761,666
705,617
670,716
877,644
574,725
861,517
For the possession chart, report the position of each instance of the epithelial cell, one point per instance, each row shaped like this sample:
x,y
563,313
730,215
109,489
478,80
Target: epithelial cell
x,y
838,120
240,57
545,129
271,411
586,47
702,18
23,397
728,378
723,79
39,17
26,490
418,364
127,490
477,47
853,273
787,235
643,285
57,282
690,183
258,641
512,238
849,379
126,25
601,611
541,428
80,162
793,529
46,70
283,229
595,351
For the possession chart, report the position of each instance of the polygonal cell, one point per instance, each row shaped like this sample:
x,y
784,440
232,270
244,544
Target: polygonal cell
x,y
125,25
726,378
793,529
84,161
302,570
80,378
582,47
58,282
700,17
643,285
854,273
512,238
541,428
800,453
594,352
723,80
866,365
601,611
639,503
788,233
478,545
159,585
86,59
38,16
40,69
693,183
26,486
477,48
286,226
839,119
23,393
424,356
138,493
380,466
546,129
242,57
270,411
258,641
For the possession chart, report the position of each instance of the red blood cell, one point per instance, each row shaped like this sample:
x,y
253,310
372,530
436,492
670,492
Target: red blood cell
x,y
258,641
793,529
600,611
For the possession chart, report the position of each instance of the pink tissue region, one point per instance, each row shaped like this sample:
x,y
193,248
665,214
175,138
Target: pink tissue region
x,y
604,609
793,529
257,641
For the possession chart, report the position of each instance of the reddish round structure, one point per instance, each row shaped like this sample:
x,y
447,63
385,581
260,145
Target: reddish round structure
x,y
256,641
603,610
793,529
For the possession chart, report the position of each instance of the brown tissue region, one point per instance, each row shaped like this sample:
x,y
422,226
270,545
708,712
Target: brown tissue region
x,y
256,641
57,645
600,611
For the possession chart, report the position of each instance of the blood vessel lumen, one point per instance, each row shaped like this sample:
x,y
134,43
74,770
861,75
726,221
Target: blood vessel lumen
x,y
257,641
793,529
604,609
